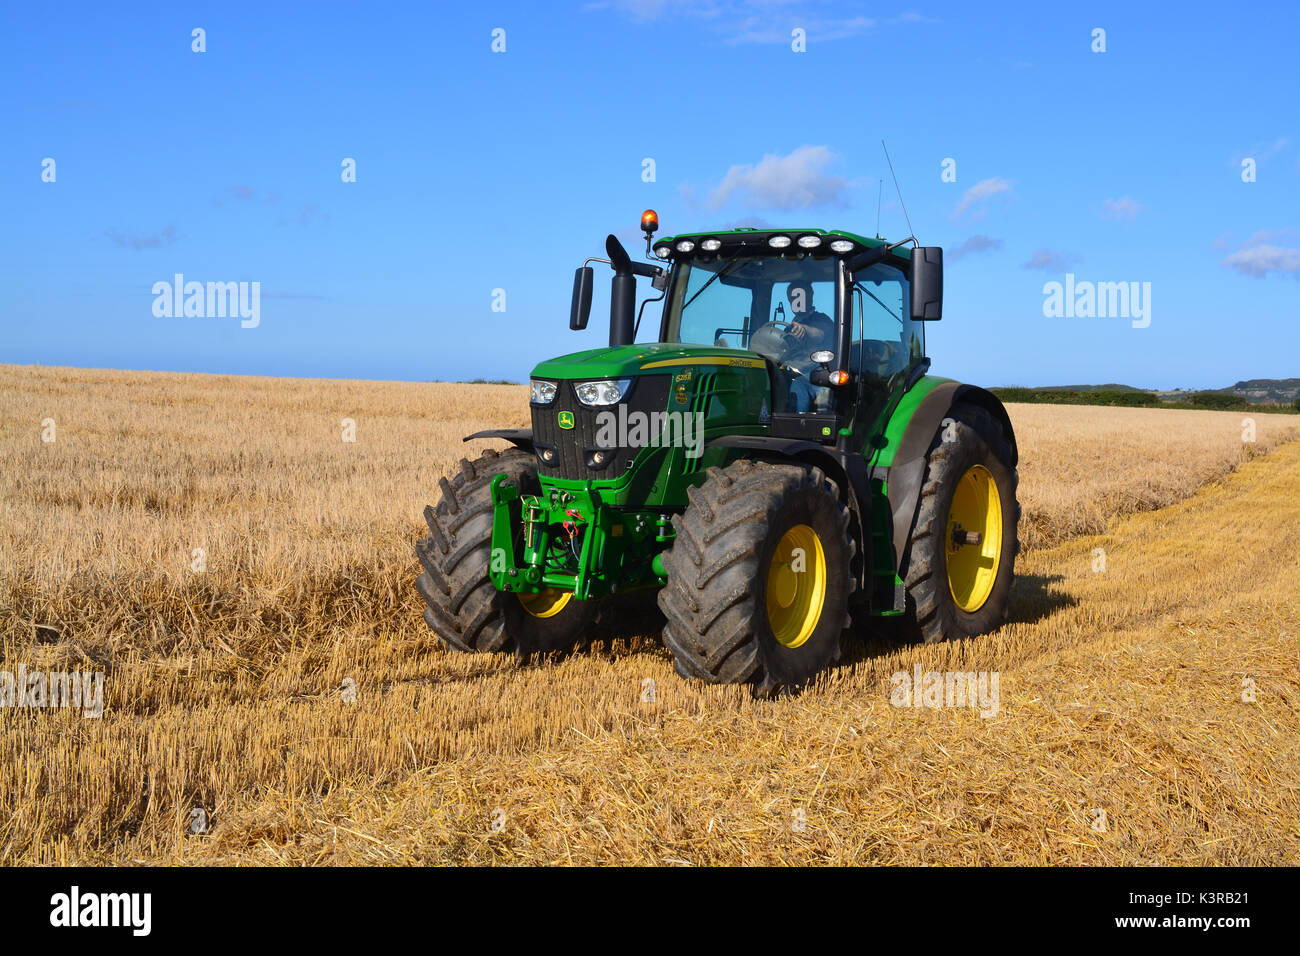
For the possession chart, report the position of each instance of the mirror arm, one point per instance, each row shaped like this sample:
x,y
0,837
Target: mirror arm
x,y
872,256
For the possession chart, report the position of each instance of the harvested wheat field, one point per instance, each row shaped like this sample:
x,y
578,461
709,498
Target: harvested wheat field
x,y
234,567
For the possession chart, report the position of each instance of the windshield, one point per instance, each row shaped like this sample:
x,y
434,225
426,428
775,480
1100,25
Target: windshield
x,y
725,302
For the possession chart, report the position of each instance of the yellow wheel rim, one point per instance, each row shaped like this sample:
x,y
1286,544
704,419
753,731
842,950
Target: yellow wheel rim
x,y
796,586
546,603
973,543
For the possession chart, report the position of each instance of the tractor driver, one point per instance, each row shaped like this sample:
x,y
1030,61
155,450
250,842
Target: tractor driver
x,y
812,327
814,330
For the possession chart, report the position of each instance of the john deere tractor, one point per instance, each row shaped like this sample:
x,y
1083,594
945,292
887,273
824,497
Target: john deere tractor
x,y
772,466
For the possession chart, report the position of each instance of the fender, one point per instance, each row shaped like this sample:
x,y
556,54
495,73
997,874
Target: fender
x,y
521,438
846,468
906,472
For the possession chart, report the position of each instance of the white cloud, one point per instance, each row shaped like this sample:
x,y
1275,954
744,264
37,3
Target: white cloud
x,y
1266,236
1259,152
911,16
647,11
1259,261
973,245
1261,253
756,21
1124,209
983,190
1049,260
137,242
762,29
797,181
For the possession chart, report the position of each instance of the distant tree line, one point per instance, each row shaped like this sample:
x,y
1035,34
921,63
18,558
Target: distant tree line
x,y
1218,401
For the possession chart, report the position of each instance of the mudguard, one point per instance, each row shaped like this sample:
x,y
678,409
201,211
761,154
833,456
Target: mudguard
x,y
848,470
907,470
519,437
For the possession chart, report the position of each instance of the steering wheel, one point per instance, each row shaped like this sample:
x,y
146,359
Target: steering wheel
x,y
774,341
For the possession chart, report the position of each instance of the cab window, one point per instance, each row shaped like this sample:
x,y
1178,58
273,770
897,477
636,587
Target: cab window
x,y
885,340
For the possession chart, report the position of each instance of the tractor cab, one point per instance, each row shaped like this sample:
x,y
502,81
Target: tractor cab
x,y
831,313
836,318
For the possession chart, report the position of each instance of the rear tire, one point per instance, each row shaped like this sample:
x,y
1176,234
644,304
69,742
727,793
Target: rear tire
x,y
957,590
741,603
463,607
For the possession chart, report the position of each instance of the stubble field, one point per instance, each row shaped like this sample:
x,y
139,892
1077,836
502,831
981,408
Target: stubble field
x,y
233,566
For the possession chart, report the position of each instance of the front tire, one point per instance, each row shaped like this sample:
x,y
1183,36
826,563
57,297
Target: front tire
x,y
758,577
962,553
463,607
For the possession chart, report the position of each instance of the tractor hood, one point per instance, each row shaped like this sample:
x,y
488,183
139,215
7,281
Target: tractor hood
x,y
621,361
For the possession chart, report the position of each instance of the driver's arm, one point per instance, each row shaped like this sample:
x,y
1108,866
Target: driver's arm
x,y
813,333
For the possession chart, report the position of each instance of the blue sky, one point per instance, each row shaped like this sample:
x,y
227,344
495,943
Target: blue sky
x,y
478,170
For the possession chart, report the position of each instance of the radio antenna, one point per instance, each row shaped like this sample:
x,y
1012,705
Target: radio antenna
x,y
880,188
896,189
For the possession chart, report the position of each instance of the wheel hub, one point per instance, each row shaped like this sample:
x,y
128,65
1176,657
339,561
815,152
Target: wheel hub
x,y
785,586
974,540
796,586
547,603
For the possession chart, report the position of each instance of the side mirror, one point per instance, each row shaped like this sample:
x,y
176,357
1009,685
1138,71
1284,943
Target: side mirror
x,y
580,310
927,283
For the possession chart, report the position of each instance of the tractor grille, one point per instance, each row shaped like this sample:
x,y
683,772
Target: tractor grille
x,y
649,393
705,388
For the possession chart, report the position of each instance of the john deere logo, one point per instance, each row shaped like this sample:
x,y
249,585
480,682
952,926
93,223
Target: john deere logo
x,y
566,419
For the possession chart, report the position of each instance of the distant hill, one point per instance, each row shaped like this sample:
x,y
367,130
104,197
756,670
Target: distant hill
x,y
1280,390
1255,391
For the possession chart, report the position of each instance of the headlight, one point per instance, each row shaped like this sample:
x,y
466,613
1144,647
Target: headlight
x,y
606,392
663,250
842,245
779,242
543,392
711,245
809,242
685,245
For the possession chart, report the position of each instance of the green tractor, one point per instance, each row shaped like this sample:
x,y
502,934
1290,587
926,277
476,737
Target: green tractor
x,y
772,472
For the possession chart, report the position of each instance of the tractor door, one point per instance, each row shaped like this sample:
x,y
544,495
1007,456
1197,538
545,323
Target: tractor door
x,y
886,343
